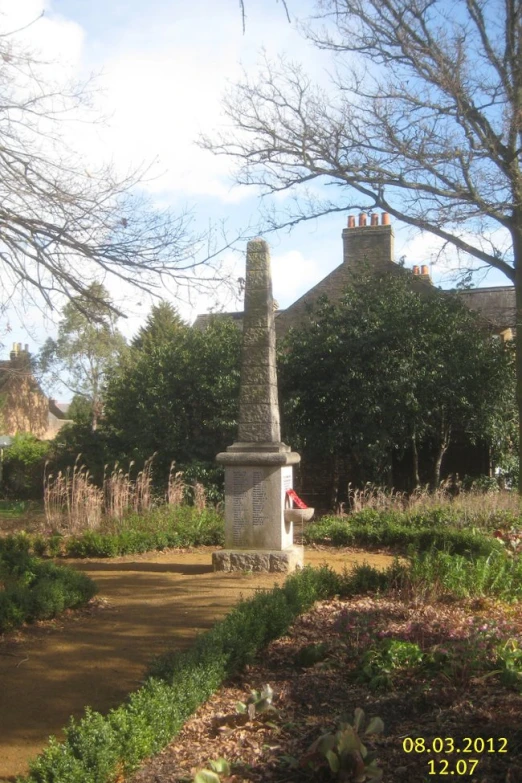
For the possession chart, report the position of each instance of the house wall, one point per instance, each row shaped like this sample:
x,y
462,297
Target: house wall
x,y
23,406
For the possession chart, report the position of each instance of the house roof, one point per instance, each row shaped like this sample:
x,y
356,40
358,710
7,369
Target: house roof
x,y
372,245
496,303
58,409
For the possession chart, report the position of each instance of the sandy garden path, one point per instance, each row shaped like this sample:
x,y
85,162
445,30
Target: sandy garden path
x,y
146,604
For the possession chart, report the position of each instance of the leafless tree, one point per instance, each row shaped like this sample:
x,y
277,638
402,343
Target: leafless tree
x,y
64,221
423,118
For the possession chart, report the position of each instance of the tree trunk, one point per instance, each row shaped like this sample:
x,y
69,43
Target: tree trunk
x,y
415,464
443,444
96,412
517,251
334,492
435,479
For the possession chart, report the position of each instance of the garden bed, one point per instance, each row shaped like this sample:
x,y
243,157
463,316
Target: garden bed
x,y
454,702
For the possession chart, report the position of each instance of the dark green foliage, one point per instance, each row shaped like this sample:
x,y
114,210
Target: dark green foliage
x,y
161,326
344,754
381,661
509,662
367,579
97,449
311,654
437,574
390,366
24,463
160,528
80,410
36,590
395,530
211,475
178,397
13,508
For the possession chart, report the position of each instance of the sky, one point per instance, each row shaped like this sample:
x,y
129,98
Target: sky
x,y
161,69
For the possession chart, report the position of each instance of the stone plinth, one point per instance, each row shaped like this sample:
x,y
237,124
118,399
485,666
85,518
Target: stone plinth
x,y
255,490
276,562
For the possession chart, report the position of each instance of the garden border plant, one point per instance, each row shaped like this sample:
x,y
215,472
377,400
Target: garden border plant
x,y
34,589
399,530
161,528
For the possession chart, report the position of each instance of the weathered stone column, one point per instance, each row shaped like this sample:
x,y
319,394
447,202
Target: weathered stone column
x,y
258,403
258,467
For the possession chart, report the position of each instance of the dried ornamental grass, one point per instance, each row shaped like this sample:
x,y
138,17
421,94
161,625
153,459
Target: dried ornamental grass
x,y
473,507
71,501
200,497
143,487
117,492
175,487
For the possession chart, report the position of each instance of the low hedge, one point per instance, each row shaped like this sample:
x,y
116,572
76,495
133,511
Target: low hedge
x,y
349,531
128,542
158,529
36,590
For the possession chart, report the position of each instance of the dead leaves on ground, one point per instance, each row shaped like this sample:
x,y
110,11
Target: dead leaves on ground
x,y
309,697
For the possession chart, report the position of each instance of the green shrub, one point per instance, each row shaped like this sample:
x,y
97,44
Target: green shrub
x,y
182,526
434,573
382,660
24,466
33,589
389,529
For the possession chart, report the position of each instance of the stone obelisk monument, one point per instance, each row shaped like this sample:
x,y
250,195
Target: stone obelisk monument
x,y
258,467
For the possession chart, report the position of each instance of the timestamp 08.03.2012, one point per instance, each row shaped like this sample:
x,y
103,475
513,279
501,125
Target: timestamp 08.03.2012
x,y
465,765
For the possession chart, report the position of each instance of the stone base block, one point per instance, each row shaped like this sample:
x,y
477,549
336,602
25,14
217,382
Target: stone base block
x,y
259,560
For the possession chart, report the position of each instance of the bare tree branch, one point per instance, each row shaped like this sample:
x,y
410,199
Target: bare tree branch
x,y
64,222
431,132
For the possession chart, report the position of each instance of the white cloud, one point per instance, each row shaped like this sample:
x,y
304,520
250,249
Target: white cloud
x,y
293,274
162,78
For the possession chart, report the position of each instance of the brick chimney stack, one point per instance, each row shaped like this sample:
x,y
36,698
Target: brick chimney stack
x,y
15,351
371,244
18,355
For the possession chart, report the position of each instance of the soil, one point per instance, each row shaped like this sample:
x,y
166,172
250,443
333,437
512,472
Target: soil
x,y
96,656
